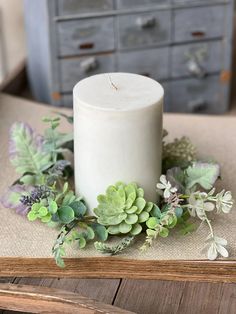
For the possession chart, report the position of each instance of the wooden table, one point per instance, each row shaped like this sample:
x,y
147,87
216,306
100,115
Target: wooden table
x,y
139,294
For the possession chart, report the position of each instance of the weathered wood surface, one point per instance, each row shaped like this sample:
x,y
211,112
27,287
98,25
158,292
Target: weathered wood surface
x,y
103,290
48,300
109,267
160,297
148,297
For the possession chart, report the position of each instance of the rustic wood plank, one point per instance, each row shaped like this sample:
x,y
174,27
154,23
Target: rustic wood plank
x,y
145,296
200,298
102,290
47,300
6,280
228,299
114,267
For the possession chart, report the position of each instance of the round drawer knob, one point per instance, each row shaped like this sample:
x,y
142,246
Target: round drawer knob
x,y
89,64
197,105
195,68
146,22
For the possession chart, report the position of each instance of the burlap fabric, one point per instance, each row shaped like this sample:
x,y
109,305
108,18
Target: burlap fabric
x,y
213,135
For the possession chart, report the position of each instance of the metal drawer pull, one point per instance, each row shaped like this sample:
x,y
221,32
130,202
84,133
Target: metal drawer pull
x,y
86,46
197,105
146,22
90,64
198,34
195,68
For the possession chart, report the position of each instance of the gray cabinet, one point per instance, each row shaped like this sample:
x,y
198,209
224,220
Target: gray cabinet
x,y
199,96
197,59
199,23
144,29
75,69
141,62
88,36
72,7
184,44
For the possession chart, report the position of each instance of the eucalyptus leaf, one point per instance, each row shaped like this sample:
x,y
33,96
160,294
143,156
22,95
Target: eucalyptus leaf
x,y
66,214
100,231
79,208
90,233
178,211
156,212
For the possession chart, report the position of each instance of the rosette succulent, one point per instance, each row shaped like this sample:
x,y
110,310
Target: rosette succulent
x,y
123,209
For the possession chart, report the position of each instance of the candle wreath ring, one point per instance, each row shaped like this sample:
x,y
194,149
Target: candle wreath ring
x,y
43,192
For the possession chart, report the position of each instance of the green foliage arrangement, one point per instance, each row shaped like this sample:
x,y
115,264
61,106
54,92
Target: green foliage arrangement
x,y
43,193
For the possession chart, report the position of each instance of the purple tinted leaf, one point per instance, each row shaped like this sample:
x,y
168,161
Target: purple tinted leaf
x,y
11,198
26,149
28,132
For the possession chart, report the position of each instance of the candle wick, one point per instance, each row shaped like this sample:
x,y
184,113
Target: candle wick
x,y
112,84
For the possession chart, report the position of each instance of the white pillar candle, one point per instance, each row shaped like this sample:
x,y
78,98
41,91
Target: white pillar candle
x,y
117,133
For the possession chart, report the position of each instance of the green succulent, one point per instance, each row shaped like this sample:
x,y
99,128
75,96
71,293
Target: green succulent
x,y
123,209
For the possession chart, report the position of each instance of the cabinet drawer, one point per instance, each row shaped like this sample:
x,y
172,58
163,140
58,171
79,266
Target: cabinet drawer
x,y
144,30
198,23
152,63
197,95
73,70
86,36
124,4
196,59
72,7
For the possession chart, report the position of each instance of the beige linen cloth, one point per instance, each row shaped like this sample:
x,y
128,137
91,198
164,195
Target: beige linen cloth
x,y
213,135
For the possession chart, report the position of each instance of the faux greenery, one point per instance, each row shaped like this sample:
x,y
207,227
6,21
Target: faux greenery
x,y
43,193
123,209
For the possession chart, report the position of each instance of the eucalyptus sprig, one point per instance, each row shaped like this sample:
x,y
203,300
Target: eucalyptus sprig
x,y
183,199
80,231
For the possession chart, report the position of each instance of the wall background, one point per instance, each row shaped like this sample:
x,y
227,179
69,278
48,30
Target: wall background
x,y
12,36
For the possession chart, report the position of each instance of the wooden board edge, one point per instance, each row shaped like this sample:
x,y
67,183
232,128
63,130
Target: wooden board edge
x,y
27,298
113,267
